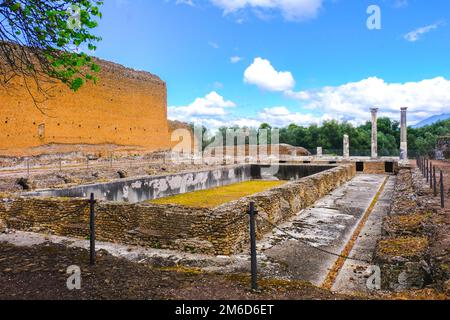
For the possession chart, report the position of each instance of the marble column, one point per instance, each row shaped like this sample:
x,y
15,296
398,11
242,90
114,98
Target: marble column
x,y
404,135
346,147
319,152
374,112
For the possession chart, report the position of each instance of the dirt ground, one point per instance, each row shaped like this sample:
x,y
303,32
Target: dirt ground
x,y
39,273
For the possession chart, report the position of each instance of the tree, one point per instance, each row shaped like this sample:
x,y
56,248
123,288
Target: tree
x,y
40,41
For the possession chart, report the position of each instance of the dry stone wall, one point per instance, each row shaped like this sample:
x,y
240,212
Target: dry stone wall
x,y
220,231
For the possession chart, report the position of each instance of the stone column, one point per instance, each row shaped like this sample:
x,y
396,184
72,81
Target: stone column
x,y
319,152
374,112
346,147
404,135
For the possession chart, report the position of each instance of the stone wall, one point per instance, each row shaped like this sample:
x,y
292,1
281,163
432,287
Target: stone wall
x,y
443,148
379,167
221,231
125,110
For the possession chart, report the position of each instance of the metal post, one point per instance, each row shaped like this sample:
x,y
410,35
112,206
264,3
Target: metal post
x,y
442,191
426,169
434,182
431,175
92,230
254,264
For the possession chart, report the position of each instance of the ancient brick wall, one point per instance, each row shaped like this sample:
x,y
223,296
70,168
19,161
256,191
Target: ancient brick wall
x,y
125,110
222,230
443,148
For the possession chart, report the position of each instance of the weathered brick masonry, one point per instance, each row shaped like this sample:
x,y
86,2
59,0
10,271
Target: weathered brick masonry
x,y
211,231
125,110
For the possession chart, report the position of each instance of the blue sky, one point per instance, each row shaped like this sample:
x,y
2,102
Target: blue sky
x,y
301,61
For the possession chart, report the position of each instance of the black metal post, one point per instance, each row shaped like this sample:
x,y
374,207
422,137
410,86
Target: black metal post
x,y
431,175
434,182
92,230
423,166
442,191
254,264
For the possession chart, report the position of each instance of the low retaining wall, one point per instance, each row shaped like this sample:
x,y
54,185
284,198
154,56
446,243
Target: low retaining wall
x,y
218,231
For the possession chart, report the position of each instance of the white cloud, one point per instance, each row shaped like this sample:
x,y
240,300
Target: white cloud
x,y
236,59
212,105
214,45
292,10
281,116
187,2
262,74
352,101
415,35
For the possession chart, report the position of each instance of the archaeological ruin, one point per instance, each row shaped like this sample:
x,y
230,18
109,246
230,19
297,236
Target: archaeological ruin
x,y
125,111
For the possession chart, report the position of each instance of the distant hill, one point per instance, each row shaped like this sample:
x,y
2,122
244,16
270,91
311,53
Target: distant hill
x,y
432,120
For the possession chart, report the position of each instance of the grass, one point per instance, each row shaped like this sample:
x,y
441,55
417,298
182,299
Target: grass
x,y
214,197
403,246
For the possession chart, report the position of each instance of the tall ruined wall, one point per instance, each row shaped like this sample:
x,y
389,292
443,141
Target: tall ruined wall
x,y
125,110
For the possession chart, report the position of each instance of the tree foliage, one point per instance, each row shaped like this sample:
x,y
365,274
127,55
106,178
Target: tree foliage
x,y
40,40
330,135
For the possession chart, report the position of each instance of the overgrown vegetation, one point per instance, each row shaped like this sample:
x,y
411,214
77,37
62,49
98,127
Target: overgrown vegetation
x,y
214,197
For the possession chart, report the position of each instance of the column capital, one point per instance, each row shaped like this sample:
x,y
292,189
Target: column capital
x,y
374,110
404,109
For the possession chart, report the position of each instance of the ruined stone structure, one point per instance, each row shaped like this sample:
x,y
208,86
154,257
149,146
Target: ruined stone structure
x,y
443,148
346,145
126,110
221,231
374,112
404,135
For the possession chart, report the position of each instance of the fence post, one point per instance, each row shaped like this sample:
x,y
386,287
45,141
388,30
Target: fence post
x,y
442,191
426,169
431,175
254,264
92,230
434,182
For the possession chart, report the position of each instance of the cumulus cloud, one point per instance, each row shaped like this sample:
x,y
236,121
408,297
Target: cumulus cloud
x,y
415,35
281,116
292,10
212,105
352,101
262,74
236,59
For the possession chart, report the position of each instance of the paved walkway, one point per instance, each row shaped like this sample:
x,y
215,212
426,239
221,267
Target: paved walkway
x,y
353,276
329,225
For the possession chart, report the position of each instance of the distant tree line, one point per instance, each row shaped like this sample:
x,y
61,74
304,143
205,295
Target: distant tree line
x,y
330,135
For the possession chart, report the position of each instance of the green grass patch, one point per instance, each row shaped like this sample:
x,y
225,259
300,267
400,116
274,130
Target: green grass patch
x,y
215,197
